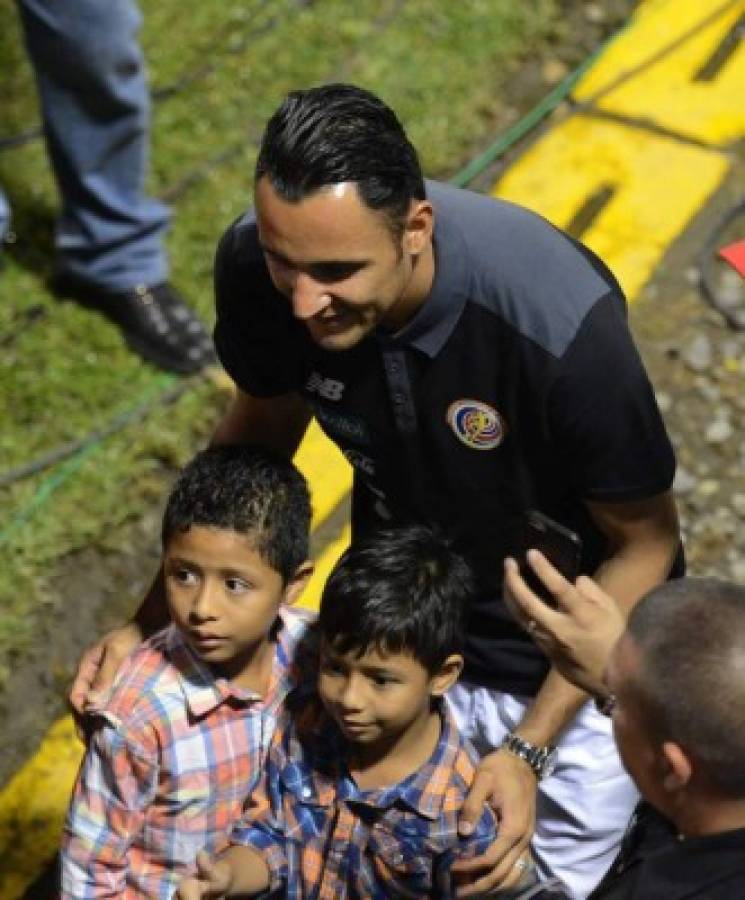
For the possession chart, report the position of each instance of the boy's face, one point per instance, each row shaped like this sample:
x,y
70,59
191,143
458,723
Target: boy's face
x,y
222,595
377,696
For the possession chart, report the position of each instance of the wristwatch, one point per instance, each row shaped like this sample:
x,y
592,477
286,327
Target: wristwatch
x,y
542,760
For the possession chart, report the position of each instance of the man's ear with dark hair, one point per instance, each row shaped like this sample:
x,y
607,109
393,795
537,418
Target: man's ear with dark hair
x,y
418,227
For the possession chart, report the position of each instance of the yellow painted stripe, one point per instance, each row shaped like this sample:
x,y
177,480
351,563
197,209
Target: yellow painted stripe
x,y
325,562
659,184
664,92
32,809
329,474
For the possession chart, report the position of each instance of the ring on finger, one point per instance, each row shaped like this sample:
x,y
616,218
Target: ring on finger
x,y
532,626
521,865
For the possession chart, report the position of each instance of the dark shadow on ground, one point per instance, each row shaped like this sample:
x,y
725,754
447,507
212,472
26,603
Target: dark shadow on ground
x,y
45,886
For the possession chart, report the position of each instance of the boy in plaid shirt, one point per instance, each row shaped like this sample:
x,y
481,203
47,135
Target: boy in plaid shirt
x,y
180,743
363,783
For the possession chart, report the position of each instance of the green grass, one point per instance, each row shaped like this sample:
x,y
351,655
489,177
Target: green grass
x,y
440,64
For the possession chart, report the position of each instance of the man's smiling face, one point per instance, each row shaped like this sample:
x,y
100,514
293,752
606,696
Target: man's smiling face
x,y
340,264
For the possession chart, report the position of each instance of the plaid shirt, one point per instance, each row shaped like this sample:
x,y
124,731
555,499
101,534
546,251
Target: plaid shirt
x,y
324,838
170,767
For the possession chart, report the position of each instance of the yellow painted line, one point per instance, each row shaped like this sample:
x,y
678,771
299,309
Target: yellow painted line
x,y
660,185
329,474
311,597
32,809
711,111
330,478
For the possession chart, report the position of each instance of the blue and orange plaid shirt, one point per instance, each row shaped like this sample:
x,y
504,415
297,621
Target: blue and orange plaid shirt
x,y
325,839
171,763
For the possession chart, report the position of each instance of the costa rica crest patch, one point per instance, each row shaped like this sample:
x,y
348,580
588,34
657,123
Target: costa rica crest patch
x,y
478,425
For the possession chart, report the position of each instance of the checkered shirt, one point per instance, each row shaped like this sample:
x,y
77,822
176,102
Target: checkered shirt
x,y
168,769
325,839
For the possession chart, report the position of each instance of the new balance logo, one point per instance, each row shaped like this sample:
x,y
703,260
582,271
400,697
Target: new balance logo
x,y
324,387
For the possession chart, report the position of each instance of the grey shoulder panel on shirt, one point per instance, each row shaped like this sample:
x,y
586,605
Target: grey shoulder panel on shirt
x,y
521,267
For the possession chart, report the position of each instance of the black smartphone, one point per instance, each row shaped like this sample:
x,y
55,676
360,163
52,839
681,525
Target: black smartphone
x,y
561,547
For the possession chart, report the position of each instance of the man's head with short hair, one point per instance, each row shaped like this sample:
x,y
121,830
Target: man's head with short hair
x,y
342,216
690,637
249,490
679,676
340,133
401,591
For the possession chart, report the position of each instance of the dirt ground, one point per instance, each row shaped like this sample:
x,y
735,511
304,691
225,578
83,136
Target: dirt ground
x,y
696,361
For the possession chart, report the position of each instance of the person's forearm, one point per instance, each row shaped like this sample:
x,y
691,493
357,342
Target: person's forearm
x,y
249,873
276,422
152,614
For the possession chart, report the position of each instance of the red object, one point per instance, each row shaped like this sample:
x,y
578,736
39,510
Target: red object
x,y
734,254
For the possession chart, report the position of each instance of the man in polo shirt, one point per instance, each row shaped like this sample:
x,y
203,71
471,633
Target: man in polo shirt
x,y
471,362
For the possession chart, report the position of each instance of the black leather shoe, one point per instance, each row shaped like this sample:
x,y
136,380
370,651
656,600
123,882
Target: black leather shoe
x,y
155,321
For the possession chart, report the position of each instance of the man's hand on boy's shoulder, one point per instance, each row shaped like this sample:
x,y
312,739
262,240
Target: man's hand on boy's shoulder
x,y
509,787
98,667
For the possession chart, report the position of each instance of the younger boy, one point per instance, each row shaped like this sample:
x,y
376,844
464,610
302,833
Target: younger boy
x,y
363,785
181,741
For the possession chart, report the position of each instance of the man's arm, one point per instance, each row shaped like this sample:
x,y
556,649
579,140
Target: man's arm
x,y
643,538
276,422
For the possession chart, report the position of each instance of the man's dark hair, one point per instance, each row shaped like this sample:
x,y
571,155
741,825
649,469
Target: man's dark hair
x,y
249,490
399,591
336,133
690,635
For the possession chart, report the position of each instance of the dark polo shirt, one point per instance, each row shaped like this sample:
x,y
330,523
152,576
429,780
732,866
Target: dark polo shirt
x,y
656,864
516,386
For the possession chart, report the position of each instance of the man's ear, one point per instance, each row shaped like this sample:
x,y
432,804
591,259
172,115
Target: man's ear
x,y
446,675
298,582
678,767
418,228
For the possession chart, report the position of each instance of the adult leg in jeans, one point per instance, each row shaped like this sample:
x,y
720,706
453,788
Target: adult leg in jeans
x,y
95,106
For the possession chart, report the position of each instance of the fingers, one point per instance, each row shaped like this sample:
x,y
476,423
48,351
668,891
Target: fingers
x,y
103,679
525,605
205,883
473,806
493,871
562,590
188,889
84,677
117,644
591,590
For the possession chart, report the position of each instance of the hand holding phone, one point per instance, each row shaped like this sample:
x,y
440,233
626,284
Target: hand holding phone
x,y
561,547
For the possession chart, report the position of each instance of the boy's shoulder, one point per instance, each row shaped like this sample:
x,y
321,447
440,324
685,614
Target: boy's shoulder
x,y
297,645
145,679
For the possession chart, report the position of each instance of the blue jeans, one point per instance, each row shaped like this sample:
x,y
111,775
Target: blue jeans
x,y
95,106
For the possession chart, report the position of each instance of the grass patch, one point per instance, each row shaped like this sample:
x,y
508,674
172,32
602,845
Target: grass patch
x,y
222,68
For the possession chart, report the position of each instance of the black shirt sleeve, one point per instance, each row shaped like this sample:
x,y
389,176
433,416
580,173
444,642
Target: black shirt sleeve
x,y
258,340
604,412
